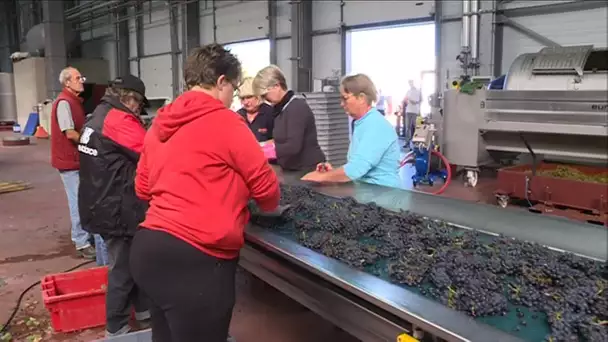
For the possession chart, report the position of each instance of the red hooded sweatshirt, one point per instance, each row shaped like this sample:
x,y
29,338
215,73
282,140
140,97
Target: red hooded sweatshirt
x,y
199,167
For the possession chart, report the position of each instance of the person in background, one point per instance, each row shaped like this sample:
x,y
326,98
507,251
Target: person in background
x,y
412,111
258,115
199,167
110,145
67,118
295,131
380,105
373,154
400,113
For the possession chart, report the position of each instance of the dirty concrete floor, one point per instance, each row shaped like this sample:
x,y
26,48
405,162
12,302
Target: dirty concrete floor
x,y
34,241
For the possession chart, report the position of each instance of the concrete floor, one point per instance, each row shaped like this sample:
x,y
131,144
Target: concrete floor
x,y
34,230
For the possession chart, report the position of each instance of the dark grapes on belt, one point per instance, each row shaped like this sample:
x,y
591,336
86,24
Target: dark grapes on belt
x,y
465,270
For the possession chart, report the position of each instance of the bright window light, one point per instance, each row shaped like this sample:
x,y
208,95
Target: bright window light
x,y
252,57
393,55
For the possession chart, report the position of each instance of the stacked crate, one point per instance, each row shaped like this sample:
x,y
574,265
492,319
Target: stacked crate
x,y
332,125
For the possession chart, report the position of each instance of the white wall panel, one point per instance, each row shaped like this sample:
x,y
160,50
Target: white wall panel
x,y
103,48
156,74
133,67
370,12
325,15
283,58
450,48
326,58
132,39
157,38
241,21
571,28
206,26
284,17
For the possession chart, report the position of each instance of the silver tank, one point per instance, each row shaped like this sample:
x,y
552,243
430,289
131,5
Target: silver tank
x,y
8,105
34,39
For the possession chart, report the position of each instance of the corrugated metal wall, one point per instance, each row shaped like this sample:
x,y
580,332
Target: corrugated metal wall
x,y
580,27
234,21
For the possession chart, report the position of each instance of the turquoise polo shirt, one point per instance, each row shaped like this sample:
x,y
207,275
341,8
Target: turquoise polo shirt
x,y
373,154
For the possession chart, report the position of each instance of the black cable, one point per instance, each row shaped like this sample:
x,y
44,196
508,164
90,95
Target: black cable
x,y
4,328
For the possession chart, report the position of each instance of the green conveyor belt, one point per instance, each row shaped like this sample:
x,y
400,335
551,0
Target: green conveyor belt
x,y
535,331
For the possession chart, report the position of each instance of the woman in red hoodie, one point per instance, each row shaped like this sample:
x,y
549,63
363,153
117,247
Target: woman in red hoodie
x,y
199,167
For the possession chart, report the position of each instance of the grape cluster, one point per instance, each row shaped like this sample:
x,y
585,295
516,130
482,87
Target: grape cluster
x,y
465,270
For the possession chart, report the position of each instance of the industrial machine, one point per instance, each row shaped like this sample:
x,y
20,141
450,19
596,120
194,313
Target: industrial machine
x,y
553,106
423,148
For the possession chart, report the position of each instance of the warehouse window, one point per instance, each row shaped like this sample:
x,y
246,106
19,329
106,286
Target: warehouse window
x,y
252,57
393,55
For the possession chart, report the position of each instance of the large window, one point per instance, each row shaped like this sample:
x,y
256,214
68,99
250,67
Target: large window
x,y
393,55
254,56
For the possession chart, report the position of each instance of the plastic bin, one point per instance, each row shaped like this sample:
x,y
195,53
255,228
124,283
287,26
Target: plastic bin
x,y
76,300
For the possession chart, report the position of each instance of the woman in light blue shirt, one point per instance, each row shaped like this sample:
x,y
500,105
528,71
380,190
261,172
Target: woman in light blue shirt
x,y
373,154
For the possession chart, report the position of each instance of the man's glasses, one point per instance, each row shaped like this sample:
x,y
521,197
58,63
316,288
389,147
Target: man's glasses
x,y
81,79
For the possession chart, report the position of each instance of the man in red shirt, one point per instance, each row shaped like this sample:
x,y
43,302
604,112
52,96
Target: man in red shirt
x,y
199,167
67,118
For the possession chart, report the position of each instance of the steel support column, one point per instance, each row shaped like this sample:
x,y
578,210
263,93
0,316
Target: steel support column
x,y
139,35
191,33
214,18
123,66
5,37
272,30
54,44
344,43
486,38
438,51
173,22
301,45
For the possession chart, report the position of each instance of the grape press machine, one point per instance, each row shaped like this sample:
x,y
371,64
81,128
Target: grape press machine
x,y
373,309
553,106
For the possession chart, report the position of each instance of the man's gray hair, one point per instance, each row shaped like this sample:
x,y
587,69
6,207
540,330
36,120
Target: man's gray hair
x,y
65,75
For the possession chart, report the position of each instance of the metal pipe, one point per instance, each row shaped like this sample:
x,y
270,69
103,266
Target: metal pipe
x,y
466,25
74,9
474,40
92,16
203,13
105,5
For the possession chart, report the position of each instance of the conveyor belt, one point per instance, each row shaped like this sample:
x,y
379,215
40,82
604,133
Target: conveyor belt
x,y
576,237
407,306
580,238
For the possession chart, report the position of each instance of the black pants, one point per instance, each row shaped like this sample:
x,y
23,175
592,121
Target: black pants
x,y
191,294
122,291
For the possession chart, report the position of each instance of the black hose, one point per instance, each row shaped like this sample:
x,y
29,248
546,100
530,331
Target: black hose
x,y
4,328
523,139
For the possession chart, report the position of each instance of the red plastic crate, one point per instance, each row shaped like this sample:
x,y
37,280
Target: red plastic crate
x,y
76,300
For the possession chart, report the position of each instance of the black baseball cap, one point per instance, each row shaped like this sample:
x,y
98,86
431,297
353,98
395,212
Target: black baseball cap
x,y
133,83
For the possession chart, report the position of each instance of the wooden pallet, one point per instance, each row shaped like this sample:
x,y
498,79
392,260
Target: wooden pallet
x,y
6,187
